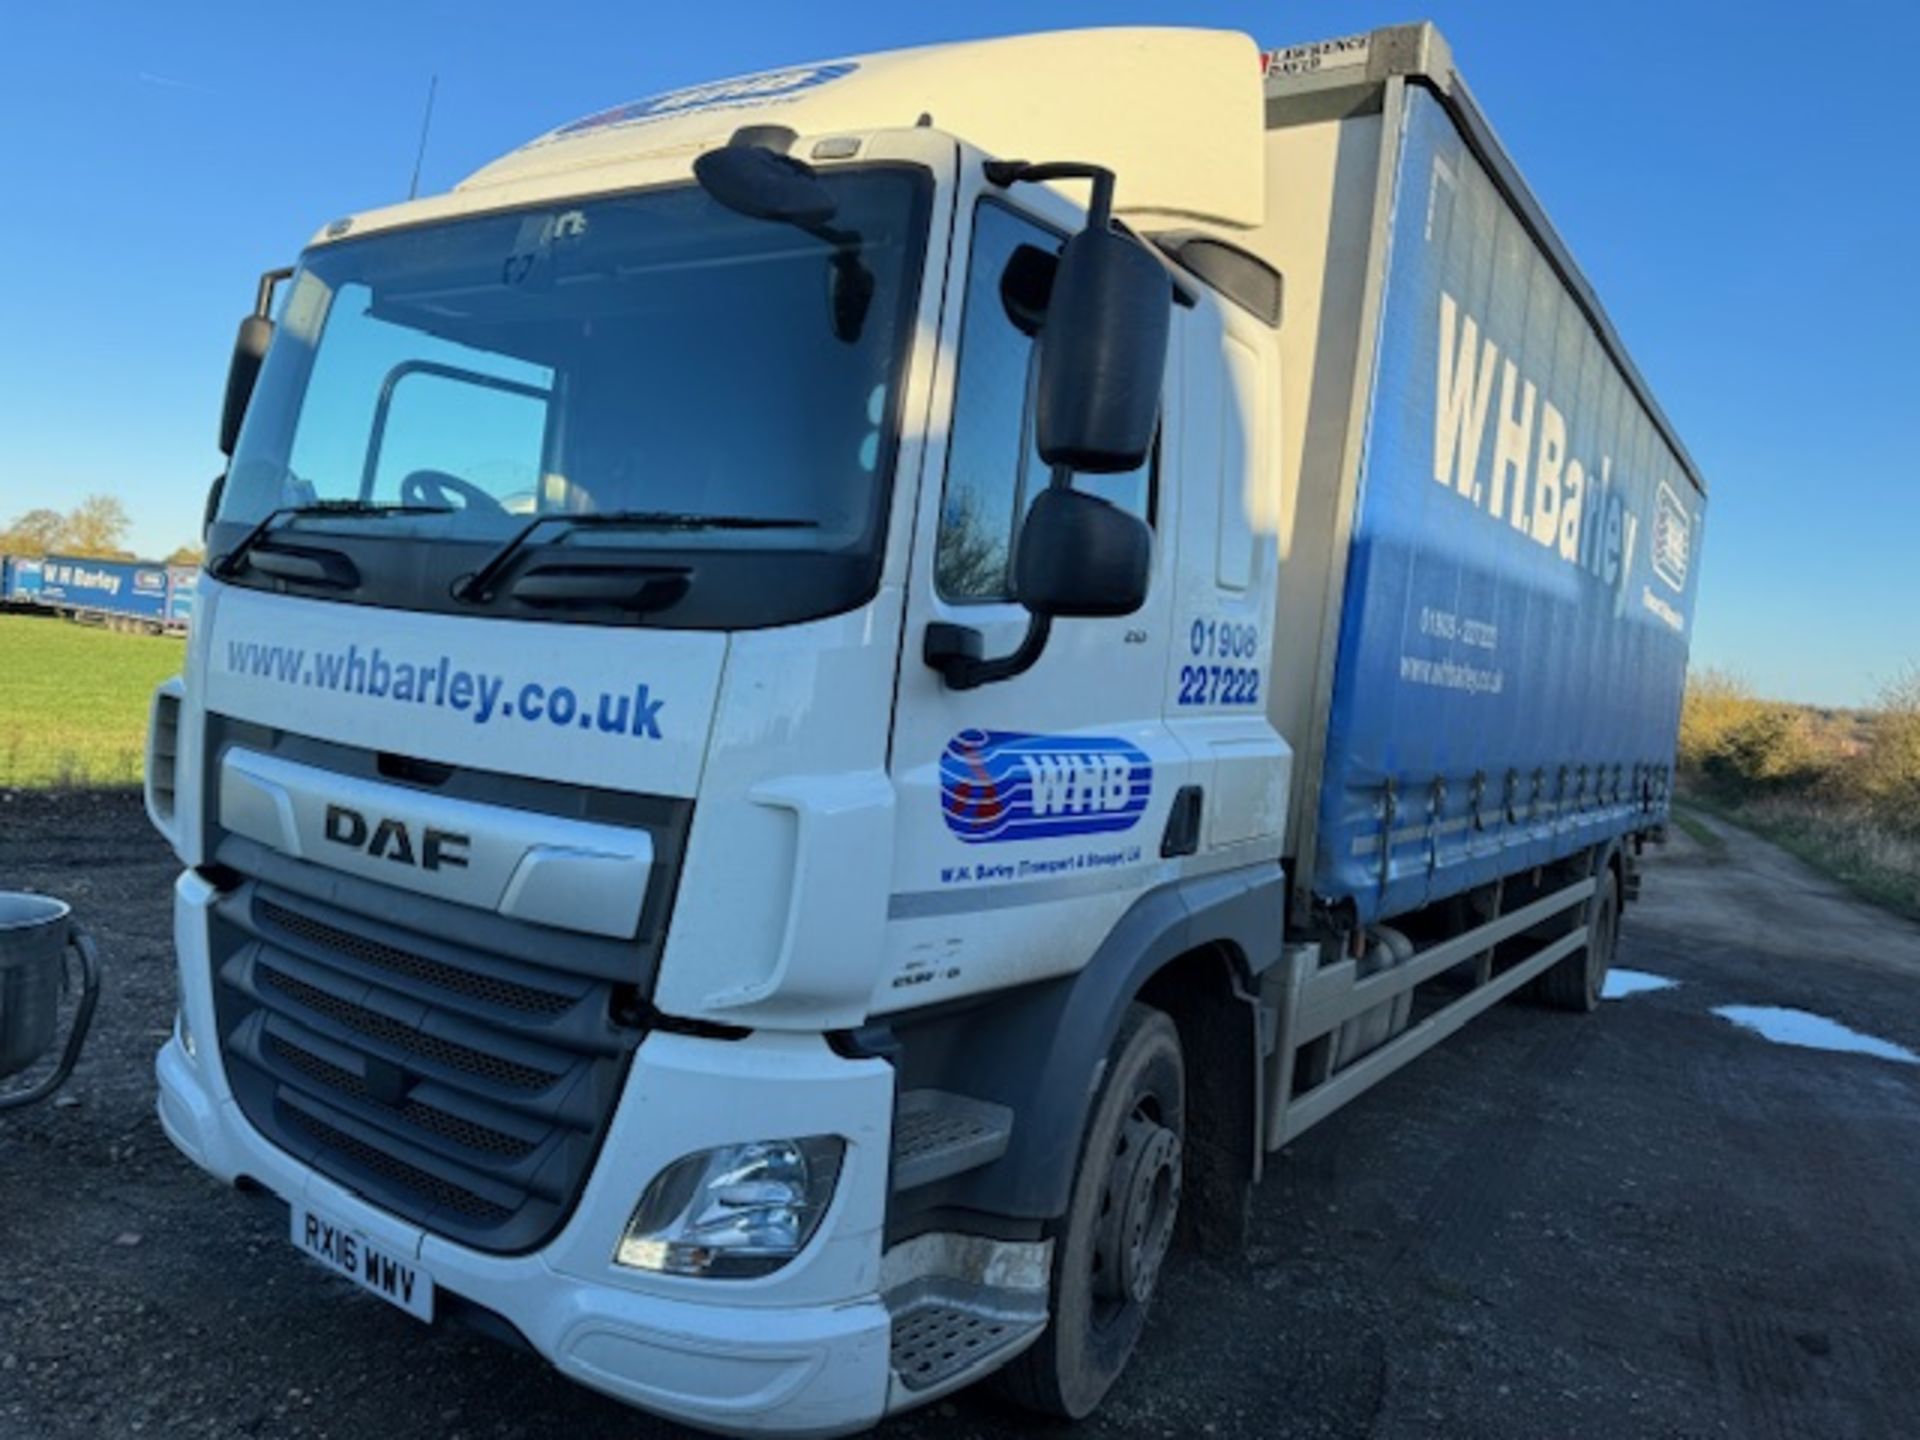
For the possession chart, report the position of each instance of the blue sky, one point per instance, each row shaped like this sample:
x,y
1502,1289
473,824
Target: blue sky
x,y
1737,181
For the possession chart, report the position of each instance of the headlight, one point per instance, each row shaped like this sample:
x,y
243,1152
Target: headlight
x,y
735,1211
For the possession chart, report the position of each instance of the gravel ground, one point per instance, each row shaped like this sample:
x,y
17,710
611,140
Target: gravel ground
x,y
1650,1222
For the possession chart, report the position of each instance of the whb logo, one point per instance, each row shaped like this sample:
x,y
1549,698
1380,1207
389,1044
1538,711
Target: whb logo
x,y
1000,785
1672,535
746,90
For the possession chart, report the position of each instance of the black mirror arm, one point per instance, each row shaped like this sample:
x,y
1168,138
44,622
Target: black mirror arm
x,y
1006,173
954,650
263,294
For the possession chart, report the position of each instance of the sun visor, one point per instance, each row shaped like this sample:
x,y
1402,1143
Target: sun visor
x,y
1177,114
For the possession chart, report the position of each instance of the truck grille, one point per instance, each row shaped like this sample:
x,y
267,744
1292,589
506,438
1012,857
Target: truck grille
x,y
466,1132
416,967
464,1089
447,1194
401,1036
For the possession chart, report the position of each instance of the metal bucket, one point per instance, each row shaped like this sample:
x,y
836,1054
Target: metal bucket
x,y
36,932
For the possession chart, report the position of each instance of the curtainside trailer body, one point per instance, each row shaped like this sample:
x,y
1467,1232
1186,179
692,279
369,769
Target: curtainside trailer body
x,y
1488,508
121,594
20,580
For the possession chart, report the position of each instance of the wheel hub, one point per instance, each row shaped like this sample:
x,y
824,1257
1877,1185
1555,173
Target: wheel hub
x,y
1142,1198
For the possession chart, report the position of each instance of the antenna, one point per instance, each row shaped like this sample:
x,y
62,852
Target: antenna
x,y
426,124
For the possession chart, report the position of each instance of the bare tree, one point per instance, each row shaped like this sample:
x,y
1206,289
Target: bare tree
x,y
34,533
96,526
972,559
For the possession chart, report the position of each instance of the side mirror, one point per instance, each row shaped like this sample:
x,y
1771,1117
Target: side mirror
x,y
1081,556
243,371
1103,354
762,183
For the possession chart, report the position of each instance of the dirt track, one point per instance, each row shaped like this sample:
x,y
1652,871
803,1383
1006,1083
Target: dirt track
x,y
1647,1223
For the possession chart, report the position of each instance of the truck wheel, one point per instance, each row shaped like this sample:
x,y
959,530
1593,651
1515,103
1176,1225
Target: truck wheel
x,y
1119,1224
1575,983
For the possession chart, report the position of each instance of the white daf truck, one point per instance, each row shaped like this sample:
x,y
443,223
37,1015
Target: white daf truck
x,y
825,704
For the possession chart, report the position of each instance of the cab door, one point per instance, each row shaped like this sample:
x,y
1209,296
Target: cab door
x,y
1031,811
1220,677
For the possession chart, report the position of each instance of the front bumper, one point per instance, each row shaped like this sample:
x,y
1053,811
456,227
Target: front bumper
x,y
802,1351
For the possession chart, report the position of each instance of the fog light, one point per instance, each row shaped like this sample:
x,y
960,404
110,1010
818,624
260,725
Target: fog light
x,y
734,1211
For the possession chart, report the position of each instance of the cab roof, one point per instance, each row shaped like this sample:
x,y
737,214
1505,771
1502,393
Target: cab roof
x,y
1176,113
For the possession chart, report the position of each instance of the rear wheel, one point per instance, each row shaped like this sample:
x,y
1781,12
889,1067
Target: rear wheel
x,y
1576,982
1119,1224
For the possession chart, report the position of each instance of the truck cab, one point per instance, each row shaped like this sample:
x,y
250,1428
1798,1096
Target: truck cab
x,y
574,784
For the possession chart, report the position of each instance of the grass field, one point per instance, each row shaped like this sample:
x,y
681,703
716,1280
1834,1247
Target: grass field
x,y
73,701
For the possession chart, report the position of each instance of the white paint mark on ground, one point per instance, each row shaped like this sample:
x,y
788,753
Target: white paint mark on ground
x,y
1812,1032
1622,983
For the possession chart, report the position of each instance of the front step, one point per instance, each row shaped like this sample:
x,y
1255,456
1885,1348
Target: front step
x,y
962,1306
945,1339
937,1134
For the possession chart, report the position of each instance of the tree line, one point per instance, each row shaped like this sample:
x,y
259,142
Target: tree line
x,y
96,528
1841,788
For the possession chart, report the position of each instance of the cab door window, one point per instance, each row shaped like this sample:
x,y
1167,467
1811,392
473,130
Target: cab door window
x,y
993,467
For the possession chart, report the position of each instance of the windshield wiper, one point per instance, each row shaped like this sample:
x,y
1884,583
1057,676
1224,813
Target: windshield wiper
x,y
228,565
477,588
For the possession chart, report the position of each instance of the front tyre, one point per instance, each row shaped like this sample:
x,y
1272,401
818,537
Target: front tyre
x,y
1119,1224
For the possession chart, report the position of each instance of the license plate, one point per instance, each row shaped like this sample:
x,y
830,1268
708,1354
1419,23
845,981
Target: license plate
x,y
369,1264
